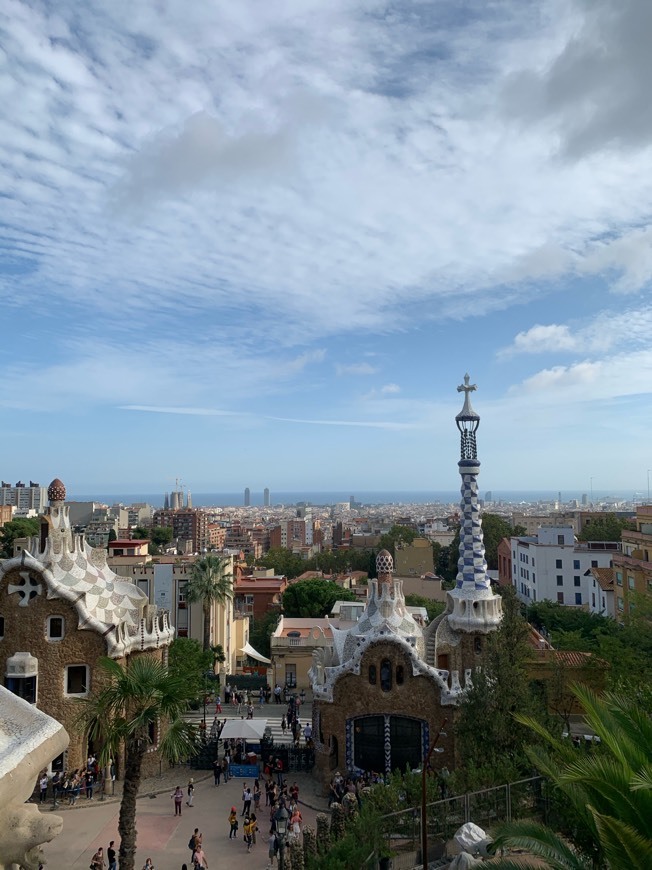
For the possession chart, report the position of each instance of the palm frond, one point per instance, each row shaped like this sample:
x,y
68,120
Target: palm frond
x,y
624,847
542,842
642,780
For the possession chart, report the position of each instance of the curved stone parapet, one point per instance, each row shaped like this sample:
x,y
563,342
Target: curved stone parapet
x,y
29,740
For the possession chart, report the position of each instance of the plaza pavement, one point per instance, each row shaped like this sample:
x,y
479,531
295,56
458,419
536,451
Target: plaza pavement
x,y
164,837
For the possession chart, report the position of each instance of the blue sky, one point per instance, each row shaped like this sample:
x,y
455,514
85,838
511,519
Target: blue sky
x,y
259,244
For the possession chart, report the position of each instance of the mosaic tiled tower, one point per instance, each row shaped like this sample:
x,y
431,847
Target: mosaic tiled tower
x,y
475,607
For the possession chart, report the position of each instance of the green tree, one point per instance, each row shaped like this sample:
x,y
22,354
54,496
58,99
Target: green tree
x,y
262,630
161,535
607,793
492,745
140,533
283,562
21,527
397,535
132,703
313,598
113,536
607,527
189,662
433,608
208,584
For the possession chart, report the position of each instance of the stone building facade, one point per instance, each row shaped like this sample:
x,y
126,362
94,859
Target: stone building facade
x,y
61,609
383,691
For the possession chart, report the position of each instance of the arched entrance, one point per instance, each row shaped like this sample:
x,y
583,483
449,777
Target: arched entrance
x,y
385,743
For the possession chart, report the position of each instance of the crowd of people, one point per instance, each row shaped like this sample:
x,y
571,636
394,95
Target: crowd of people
x,y
70,785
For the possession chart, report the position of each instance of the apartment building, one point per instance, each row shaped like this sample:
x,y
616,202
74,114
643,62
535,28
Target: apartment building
x,y
633,564
553,566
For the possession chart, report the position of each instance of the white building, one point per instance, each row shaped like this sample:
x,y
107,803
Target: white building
x,y
24,498
553,566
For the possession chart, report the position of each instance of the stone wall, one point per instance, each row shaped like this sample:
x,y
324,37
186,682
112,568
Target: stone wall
x,y
25,630
418,697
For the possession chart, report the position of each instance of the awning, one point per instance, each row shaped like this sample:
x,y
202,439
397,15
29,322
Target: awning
x,y
245,729
248,650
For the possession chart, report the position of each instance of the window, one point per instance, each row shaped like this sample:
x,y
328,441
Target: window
x,y
76,680
594,563
593,599
560,598
621,604
560,540
630,582
558,563
400,675
24,687
533,561
576,564
576,580
55,627
578,598
560,580
2,627
534,577
386,675
619,578
372,675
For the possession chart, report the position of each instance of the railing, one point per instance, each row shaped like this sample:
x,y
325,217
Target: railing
x,y
486,808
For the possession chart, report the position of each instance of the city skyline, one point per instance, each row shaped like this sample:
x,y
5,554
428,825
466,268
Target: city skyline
x,y
267,243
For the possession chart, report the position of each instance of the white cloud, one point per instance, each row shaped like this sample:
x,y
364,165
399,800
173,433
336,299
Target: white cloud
x,y
388,389
361,368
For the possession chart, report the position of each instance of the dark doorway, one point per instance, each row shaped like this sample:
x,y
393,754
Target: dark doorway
x,y
405,736
369,743
405,743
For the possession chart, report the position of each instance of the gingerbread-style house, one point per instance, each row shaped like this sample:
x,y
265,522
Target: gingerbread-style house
x,y
61,609
382,692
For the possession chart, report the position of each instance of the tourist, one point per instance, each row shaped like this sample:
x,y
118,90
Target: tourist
x,y
284,725
246,801
277,693
279,771
217,771
111,856
194,842
256,795
248,829
218,705
191,792
89,782
199,858
97,861
296,821
43,786
294,793
272,846
177,794
233,822
148,865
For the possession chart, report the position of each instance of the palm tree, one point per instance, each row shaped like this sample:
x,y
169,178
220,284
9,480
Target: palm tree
x,y
134,701
209,583
608,791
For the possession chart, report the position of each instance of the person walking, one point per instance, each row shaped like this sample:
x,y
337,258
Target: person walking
x,y
43,786
218,705
111,856
256,795
199,859
272,847
284,725
246,801
177,794
148,865
233,822
97,861
217,771
194,842
191,792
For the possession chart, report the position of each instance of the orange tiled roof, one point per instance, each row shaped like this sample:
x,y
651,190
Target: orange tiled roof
x,y
605,578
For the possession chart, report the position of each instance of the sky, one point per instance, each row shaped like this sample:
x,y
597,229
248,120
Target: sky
x,y
260,244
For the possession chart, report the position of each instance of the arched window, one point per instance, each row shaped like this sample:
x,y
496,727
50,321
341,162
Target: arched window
x,y
477,645
372,675
386,675
400,675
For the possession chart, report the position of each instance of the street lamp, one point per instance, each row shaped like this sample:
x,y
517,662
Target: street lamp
x,y
281,817
424,813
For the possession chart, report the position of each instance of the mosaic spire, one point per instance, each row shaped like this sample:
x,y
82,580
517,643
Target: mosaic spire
x,y
471,565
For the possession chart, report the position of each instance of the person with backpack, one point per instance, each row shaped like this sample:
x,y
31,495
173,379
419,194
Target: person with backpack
x,y
194,842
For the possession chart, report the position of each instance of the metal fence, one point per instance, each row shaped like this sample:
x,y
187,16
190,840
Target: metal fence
x,y
486,808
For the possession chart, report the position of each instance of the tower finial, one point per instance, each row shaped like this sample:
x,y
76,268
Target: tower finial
x,y
467,421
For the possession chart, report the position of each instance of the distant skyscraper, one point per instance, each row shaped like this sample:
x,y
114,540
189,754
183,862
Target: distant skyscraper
x,y
351,501
266,497
189,499
247,498
488,495
585,498
166,504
